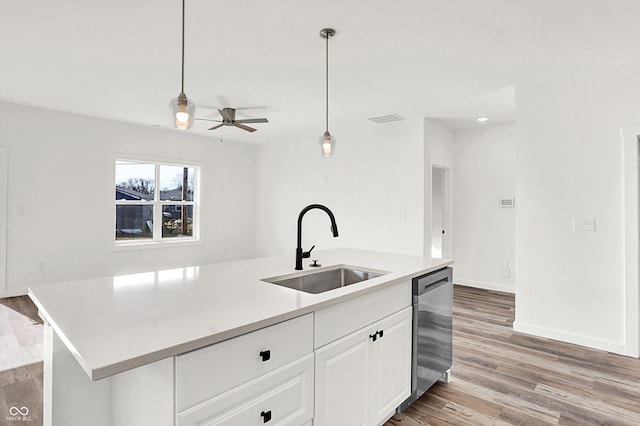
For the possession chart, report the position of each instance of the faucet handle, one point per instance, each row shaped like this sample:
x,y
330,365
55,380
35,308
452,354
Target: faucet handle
x,y
307,254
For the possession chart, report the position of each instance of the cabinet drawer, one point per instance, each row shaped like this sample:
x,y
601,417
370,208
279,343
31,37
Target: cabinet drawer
x,y
333,322
210,371
281,397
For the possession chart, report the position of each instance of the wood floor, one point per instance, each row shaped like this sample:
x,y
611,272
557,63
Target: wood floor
x,y
499,377
21,337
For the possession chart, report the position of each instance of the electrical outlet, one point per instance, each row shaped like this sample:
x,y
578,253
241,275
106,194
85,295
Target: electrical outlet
x,y
506,269
584,224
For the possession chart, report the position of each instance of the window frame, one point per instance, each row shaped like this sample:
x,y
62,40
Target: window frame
x,y
158,205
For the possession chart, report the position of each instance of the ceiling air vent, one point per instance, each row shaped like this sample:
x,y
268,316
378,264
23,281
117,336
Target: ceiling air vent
x,y
387,118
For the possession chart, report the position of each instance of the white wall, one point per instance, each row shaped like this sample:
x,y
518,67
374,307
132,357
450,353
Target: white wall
x,y
60,201
438,141
484,236
373,185
438,151
570,285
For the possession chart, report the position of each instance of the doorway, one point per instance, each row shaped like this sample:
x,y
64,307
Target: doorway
x,y
440,212
4,187
631,180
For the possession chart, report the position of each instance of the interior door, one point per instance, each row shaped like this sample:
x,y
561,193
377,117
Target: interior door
x,y
439,211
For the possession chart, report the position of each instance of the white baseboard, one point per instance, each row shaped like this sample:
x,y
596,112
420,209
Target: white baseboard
x,y
485,285
563,336
13,292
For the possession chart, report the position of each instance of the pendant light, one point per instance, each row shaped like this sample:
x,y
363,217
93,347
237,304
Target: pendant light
x,y
327,142
182,109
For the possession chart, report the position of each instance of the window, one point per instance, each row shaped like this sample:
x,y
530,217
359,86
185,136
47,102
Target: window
x,y
155,202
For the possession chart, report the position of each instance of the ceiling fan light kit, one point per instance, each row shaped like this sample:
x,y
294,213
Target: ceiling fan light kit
x,y
327,142
182,109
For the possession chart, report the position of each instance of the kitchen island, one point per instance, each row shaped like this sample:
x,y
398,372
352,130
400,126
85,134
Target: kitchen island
x,y
145,348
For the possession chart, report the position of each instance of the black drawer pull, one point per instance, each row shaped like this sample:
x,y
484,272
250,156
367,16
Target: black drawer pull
x,y
266,416
377,334
266,356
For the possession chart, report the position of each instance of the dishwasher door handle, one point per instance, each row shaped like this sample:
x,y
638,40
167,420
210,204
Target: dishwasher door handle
x,y
431,281
433,286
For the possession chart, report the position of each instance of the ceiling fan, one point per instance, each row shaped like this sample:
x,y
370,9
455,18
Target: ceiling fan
x,y
229,119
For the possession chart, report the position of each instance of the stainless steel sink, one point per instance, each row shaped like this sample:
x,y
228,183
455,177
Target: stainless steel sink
x,y
327,279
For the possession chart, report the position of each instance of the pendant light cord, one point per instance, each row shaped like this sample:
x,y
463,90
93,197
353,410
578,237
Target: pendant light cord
x,y
182,78
327,85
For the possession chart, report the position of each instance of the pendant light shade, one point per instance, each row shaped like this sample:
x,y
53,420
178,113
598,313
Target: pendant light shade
x,y
327,142
182,109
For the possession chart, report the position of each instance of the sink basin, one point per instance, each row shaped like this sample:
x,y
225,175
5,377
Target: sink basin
x,y
326,279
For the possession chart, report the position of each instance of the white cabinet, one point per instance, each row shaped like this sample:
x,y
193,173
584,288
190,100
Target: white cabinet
x,y
263,377
342,369
391,365
336,321
281,397
362,377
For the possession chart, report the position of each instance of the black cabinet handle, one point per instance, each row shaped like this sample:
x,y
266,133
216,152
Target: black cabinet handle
x,y
377,334
265,355
266,416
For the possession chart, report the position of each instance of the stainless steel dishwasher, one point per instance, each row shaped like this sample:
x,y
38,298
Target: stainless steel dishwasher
x,y
432,332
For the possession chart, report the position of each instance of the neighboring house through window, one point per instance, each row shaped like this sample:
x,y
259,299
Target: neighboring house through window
x,y
155,202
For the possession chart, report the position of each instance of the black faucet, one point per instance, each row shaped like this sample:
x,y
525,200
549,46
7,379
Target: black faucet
x,y
304,254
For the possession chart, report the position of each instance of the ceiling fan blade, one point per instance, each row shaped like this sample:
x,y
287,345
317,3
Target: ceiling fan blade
x,y
226,114
253,120
251,108
201,107
243,127
206,119
216,127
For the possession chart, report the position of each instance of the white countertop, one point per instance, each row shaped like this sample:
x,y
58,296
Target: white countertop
x,y
111,325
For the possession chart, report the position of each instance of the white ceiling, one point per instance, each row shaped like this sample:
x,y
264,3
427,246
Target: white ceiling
x,y
449,59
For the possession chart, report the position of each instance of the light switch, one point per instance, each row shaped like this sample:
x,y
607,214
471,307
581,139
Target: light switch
x,y
584,224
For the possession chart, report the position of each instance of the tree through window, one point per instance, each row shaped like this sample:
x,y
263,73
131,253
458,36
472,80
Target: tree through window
x,y
155,201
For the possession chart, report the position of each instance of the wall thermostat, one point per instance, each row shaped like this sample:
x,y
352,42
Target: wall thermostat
x,y
507,202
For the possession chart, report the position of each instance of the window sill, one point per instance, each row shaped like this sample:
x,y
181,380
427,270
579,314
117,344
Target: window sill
x,y
142,245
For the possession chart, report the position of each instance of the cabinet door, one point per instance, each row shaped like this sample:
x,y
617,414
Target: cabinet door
x,y
341,393
391,361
